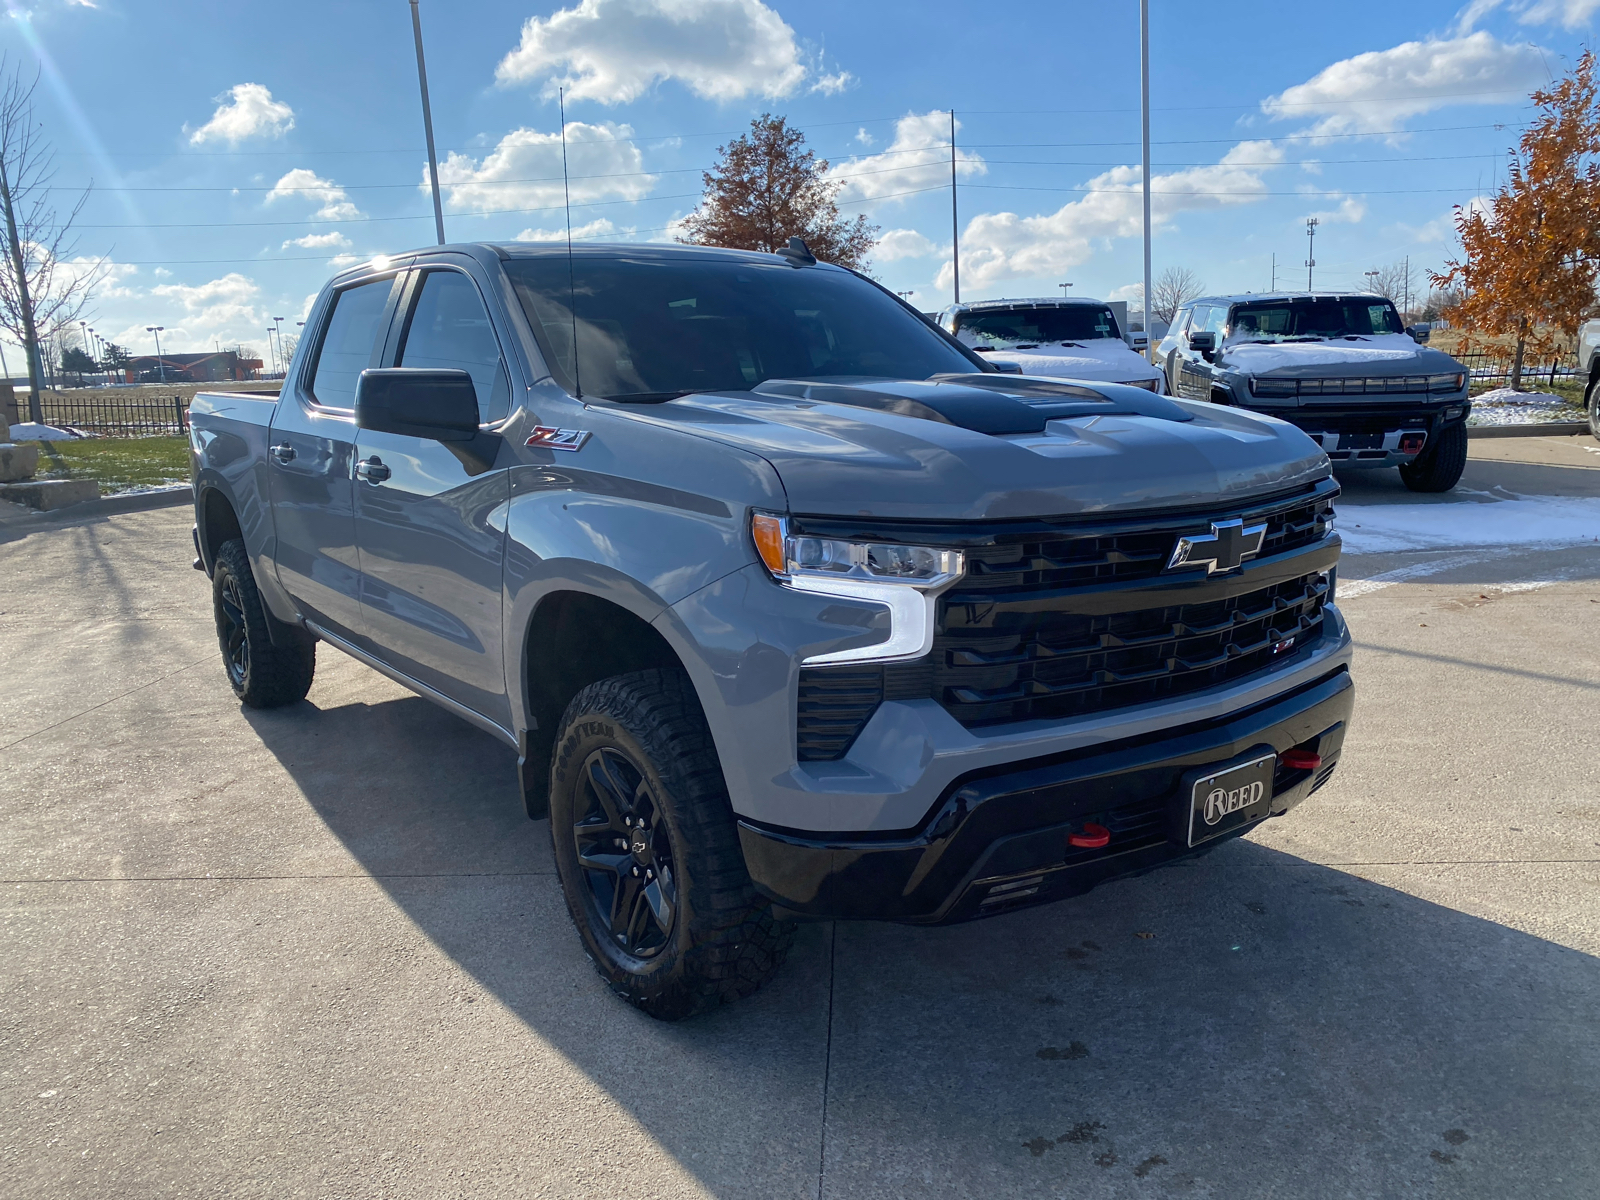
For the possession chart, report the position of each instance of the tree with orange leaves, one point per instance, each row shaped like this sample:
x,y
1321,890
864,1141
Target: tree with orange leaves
x,y
1531,257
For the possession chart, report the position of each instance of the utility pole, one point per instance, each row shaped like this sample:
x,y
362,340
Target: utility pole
x,y
161,367
1144,113
1274,286
955,223
427,123
1408,286
1311,248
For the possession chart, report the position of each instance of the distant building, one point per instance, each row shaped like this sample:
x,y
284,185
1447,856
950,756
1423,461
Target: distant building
x,y
211,367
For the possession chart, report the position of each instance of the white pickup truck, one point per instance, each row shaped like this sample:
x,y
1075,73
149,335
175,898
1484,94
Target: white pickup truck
x,y
1589,360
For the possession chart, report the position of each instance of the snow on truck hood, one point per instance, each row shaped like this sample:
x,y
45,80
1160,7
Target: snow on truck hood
x,y
977,447
1387,348
1107,360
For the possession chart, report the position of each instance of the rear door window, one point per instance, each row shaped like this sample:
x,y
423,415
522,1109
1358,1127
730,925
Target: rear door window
x,y
449,329
348,341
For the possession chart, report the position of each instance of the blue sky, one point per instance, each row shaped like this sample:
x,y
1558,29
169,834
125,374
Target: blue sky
x,y
239,155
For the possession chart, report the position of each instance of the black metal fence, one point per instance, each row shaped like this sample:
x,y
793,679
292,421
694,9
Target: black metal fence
x,y
114,417
1490,370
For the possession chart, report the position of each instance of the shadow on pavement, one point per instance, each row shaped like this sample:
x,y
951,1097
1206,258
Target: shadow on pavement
x,y
1244,1024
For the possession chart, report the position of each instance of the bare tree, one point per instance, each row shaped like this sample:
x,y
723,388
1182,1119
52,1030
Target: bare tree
x,y
43,290
1392,282
1176,287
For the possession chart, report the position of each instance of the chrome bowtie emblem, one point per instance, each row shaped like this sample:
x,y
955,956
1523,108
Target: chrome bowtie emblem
x,y
1222,550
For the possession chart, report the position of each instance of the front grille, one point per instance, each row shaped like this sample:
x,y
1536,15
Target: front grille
x,y
996,661
1378,421
1009,647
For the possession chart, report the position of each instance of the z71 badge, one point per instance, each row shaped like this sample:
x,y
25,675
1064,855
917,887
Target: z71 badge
x,y
550,438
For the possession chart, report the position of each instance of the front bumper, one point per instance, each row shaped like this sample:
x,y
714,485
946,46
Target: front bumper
x,y
998,838
1355,435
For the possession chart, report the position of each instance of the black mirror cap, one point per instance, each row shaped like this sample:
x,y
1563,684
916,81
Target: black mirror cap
x,y
1203,342
1420,333
1008,368
441,405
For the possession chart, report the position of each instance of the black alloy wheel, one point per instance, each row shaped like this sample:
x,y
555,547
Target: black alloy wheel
x,y
232,632
269,664
625,852
647,849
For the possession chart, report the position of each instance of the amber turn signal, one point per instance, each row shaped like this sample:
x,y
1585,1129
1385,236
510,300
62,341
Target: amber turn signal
x,y
767,532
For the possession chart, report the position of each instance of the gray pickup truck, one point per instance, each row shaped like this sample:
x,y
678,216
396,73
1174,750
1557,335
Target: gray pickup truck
x,y
1338,365
791,606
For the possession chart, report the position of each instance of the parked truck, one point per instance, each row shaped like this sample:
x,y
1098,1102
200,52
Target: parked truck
x,y
790,606
1340,366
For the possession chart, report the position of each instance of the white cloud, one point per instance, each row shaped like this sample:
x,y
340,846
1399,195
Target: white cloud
x,y
340,261
1350,211
597,228
998,246
865,138
336,203
902,243
1570,14
919,157
524,170
1376,91
226,309
1133,293
319,241
832,85
251,112
614,51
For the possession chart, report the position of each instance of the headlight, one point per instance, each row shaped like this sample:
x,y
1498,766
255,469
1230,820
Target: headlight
x,y
1446,383
906,579
1149,385
1274,387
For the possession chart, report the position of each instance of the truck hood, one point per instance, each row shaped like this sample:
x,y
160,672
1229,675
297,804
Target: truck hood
x,y
1387,354
1105,360
977,447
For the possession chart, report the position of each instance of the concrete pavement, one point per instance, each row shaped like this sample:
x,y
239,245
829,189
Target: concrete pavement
x,y
319,952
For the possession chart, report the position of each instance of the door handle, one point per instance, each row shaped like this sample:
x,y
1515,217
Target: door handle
x,y
372,470
283,452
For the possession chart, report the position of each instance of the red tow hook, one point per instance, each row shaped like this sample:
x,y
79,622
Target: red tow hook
x,y
1300,760
1092,838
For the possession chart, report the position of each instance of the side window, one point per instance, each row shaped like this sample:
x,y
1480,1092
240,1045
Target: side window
x,y
449,329
347,342
1217,320
1197,321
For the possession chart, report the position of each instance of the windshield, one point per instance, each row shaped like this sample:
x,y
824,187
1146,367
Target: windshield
x,y
1284,320
650,328
1012,328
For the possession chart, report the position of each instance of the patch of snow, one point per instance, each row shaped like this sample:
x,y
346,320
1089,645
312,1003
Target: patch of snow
x,y
1524,522
30,431
1099,360
1502,406
1256,357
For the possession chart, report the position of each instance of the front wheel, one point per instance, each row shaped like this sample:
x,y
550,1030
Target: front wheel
x,y
647,849
1439,467
1591,401
262,673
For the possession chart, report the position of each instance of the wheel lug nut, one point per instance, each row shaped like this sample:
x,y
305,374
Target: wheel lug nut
x,y
636,871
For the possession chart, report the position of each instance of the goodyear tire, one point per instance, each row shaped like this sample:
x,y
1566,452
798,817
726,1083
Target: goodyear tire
x,y
1439,467
648,850
262,672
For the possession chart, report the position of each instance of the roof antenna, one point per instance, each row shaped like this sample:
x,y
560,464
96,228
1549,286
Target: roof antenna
x,y
572,287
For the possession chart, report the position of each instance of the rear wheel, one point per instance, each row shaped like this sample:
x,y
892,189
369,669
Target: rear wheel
x,y
1591,401
262,673
1438,468
648,850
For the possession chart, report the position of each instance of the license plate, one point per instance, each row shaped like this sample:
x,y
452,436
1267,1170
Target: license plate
x,y
1224,800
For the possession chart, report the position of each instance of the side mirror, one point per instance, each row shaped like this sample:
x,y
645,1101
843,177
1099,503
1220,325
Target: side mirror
x,y
1420,333
1007,368
416,402
1204,343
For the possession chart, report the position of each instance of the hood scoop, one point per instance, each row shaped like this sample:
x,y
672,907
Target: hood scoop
x,y
993,404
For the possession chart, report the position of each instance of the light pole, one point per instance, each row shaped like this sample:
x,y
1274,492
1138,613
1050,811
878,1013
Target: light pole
x,y
1144,173
427,123
1063,287
283,358
161,367
1372,277
272,351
